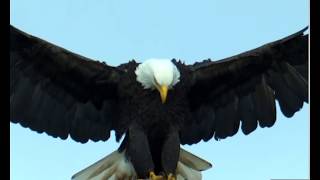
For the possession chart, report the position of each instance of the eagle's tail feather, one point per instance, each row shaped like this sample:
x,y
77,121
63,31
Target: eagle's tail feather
x,y
114,166
193,161
190,166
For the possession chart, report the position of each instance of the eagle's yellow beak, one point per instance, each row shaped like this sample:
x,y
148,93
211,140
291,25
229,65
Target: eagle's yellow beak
x,y
163,93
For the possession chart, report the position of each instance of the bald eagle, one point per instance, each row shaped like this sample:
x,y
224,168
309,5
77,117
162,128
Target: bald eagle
x,y
156,105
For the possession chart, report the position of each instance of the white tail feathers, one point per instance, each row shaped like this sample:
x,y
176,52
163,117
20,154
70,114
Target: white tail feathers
x,y
112,167
190,166
193,161
184,172
115,166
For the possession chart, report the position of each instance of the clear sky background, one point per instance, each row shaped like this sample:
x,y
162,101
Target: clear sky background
x,y
117,31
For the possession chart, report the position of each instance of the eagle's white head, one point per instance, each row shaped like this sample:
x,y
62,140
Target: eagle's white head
x,y
160,74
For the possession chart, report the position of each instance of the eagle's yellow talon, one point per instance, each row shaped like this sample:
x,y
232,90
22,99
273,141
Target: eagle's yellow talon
x,y
153,176
171,177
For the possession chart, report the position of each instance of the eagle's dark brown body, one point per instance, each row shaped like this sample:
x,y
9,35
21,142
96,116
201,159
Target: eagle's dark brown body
x,y
156,121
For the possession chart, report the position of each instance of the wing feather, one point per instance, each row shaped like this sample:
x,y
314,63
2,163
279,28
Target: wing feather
x,y
55,91
244,88
247,114
264,103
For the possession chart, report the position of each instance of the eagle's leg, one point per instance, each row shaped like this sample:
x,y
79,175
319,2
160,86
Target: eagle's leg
x,y
138,151
170,154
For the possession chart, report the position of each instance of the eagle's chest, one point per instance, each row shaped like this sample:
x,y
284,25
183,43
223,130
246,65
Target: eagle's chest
x,y
147,108
148,104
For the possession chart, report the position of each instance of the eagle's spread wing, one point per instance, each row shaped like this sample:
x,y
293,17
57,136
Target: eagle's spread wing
x,y
55,91
244,88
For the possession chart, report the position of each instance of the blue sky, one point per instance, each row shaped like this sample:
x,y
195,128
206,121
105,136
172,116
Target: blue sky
x,y
117,31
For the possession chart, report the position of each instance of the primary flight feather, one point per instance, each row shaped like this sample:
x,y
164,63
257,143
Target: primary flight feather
x,y
157,105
